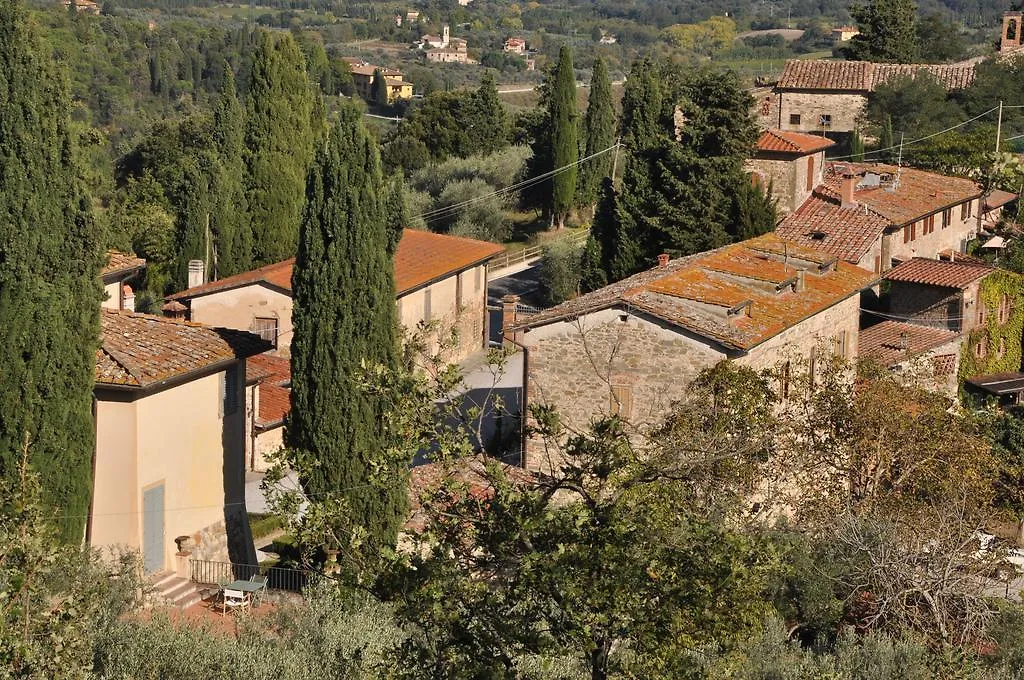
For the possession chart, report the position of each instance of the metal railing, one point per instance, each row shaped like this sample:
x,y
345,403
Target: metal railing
x,y
278,578
508,259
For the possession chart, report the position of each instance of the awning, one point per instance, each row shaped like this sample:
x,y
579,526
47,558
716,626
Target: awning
x,y
995,242
999,384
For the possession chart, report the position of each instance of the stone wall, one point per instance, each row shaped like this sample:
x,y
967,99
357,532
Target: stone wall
x,y
575,365
584,368
935,306
788,177
845,109
953,237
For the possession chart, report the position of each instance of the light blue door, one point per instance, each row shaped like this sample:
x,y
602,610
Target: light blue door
x,y
153,529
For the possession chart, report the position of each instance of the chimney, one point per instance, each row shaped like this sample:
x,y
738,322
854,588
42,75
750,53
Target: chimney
x,y
127,298
174,310
196,273
509,310
904,341
849,187
663,260
801,281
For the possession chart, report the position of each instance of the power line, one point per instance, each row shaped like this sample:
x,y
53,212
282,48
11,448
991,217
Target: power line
x,y
439,213
898,317
915,141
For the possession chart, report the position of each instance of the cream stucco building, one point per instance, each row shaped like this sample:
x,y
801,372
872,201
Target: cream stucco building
x,y
439,279
170,405
119,269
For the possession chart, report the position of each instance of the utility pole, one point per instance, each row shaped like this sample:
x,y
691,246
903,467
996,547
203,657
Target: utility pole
x,y
999,126
615,158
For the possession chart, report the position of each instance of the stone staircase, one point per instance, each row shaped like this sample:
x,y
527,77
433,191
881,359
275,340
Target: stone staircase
x,y
167,588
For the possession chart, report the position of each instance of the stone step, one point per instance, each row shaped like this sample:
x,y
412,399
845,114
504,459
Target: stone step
x,y
169,589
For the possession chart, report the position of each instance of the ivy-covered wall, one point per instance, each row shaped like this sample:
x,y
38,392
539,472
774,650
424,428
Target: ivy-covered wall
x,y
993,287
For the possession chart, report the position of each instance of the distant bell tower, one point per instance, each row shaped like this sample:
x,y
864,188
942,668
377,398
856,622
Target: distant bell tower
x,y
446,35
1011,40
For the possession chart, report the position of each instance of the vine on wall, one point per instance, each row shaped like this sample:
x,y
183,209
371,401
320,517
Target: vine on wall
x,y
992,289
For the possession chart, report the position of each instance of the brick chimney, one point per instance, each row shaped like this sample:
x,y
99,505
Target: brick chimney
x,y
196,273
848,191
663,260
509,311
127,298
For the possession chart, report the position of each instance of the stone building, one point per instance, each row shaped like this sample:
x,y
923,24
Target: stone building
x,y
791,163
927,356
631,348
877,215
170,408
1012,38
828,97
945,307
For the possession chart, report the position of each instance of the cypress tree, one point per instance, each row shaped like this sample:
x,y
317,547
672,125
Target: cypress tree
x,y
230,220
379,90
683,187
50,262
279,141
599,129
344,245
565,149
888,32
490,122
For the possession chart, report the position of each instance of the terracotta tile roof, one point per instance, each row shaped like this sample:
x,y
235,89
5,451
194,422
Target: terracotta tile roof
x,y
847,233
865,76
882,342
938,272
919,194
753,303
782,141
363,69
270,368
139,350
121,263
275,403
421,258
997,198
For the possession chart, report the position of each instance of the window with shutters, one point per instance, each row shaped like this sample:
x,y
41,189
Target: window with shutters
x,y
810,173
266,328
458,293
839,345
929,224
906,234
966,210
622,401
426,304
947,217
982,316
981,349
785,374
1004,309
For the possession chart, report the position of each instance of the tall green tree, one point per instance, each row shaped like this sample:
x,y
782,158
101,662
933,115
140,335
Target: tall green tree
x,y
565,150
490,122
346,239
888,32
279,141
230,221
379,89
687,133
50,258
599,131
